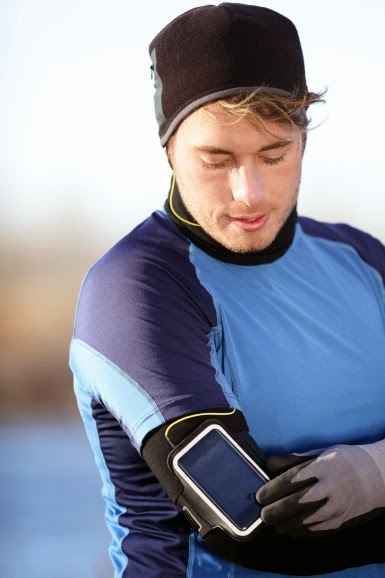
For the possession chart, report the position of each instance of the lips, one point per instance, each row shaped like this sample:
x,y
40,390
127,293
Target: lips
x,y
250,222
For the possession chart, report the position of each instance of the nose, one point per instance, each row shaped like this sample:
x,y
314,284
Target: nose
x,y
247,186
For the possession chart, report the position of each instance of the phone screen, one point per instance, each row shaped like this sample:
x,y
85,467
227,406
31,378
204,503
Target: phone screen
x,y
225,476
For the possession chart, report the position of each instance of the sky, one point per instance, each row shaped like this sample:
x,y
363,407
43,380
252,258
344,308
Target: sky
x,y
79,147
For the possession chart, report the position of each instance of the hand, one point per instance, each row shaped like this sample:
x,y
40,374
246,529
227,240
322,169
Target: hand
x,y
341,487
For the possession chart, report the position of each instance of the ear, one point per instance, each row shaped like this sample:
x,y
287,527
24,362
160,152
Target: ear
x,y
167,151
304,140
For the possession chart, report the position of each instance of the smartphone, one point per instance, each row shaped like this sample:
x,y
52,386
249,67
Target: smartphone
x,y
224,476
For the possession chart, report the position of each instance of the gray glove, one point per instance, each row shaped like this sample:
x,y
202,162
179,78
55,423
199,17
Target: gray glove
x,y
341,487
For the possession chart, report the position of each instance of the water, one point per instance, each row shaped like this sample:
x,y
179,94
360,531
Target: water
x,y
51,509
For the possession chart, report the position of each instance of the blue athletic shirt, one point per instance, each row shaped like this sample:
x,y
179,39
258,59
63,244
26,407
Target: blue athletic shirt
x,y
163,329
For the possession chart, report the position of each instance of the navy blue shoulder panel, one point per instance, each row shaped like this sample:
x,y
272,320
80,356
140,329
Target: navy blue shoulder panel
x,y
370,249
142,307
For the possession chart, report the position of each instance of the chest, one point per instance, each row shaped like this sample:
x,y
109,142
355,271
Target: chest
x,y
303,347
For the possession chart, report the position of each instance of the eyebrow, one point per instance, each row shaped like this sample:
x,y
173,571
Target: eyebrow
x,y
212,150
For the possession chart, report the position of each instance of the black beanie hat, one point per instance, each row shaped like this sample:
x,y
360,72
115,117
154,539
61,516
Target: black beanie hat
x,y
214,52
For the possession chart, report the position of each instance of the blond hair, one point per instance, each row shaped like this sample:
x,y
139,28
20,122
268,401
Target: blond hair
x,y
261,107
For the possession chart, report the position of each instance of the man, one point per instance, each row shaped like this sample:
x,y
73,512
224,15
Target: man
x,y
226,309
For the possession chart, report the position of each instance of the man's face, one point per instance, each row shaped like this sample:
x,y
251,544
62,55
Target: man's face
x,y
238,182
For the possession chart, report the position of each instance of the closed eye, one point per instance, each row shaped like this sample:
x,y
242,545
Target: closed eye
x,y
215,165
274,161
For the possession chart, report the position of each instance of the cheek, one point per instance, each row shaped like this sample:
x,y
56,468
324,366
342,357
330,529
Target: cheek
x,y
209,186
287,178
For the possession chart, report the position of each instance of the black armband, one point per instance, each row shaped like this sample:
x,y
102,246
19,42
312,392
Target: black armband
x,y
211,468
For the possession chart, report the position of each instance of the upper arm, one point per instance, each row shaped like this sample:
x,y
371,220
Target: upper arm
x,y
143,341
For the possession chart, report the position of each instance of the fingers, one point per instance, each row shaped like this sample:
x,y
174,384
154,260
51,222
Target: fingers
x,y
288,508
281,498
282,485
278,464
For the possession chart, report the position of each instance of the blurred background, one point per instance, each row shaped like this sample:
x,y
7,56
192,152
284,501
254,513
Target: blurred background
x,y
80,166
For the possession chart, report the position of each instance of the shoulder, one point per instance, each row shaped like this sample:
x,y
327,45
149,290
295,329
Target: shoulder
x,y
149,256
152,242
369,248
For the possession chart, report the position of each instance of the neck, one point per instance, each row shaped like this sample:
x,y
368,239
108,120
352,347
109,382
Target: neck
x,y
185,222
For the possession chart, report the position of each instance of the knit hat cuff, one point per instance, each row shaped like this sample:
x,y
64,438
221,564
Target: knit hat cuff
x,y
216,96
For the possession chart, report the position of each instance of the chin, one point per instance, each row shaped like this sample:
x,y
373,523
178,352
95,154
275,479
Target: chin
x,y
254,248
246,244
